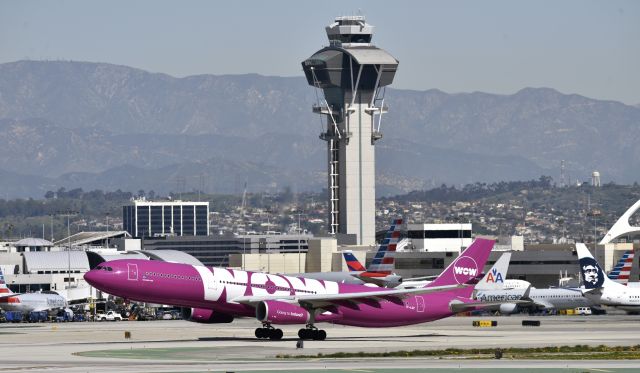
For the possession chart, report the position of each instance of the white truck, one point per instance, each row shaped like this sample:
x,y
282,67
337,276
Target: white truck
x,y
109,316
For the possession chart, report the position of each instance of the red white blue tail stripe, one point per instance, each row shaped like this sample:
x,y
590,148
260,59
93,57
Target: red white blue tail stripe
x,y
620,273
353,263
383,262
3,286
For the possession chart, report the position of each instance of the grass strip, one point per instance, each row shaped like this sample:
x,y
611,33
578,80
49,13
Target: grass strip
x,y
577,352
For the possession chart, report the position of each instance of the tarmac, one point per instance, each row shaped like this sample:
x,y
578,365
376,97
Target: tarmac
x,y
182,346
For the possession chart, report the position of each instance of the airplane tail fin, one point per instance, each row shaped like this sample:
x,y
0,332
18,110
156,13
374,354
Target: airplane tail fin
x,y
4,290
593,276
466,267
620,273
384,261
352,262
494,279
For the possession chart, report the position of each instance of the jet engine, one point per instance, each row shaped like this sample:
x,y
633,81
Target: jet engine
x,y
508,308
205,316
282,313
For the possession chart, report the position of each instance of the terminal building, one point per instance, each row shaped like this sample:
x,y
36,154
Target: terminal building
x,y
215,251
440,237
166,218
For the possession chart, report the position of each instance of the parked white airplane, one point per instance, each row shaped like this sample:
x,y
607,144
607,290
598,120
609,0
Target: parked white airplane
x,y
44,301
527,297
600,289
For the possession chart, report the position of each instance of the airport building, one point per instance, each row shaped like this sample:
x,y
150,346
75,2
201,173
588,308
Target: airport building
x,y
215,251
440,237
166,218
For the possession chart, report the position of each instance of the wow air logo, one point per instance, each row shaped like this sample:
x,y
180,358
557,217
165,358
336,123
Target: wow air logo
x,y
464,269
494,276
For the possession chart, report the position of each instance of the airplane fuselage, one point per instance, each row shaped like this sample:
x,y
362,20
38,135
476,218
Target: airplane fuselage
x,y
216,288
551,298
33,302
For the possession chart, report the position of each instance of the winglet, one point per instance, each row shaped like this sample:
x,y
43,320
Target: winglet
x,y
352,262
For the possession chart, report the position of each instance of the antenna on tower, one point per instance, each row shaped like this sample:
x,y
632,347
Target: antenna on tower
x,y
563,180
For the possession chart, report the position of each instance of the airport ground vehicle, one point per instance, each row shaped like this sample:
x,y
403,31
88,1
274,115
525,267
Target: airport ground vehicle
x,y
583,311
109,316
38,316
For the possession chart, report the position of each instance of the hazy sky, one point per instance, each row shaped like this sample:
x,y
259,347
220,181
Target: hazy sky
x,y
586,47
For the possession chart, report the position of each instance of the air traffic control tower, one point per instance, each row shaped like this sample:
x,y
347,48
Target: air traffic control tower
x,y
352,74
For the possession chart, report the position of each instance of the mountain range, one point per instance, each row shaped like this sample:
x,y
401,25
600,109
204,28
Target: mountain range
x,y
102,126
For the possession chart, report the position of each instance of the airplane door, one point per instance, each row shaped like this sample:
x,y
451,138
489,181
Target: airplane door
x,y
419,304
133,271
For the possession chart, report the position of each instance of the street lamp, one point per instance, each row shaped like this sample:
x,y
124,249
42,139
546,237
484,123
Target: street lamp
x,y
68,215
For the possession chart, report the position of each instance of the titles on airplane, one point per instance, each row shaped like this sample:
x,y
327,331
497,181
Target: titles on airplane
x,y
494,276
465,271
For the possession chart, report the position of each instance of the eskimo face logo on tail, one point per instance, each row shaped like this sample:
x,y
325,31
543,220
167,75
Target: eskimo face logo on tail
x,y
464,269
592,274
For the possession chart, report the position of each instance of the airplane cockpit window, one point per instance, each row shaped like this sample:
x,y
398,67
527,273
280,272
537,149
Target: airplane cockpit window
x,y
109,269
99,267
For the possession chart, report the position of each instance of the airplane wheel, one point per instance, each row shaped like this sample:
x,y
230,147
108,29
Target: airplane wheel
x,y
259,333
304,334
320,335
275,334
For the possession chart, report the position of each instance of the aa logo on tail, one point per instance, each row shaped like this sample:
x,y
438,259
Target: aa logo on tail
x,y
494,276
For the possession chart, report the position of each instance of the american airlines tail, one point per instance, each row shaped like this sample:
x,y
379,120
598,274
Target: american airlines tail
x,y
495,278
4,290
383,262
466,267
620,273
593,277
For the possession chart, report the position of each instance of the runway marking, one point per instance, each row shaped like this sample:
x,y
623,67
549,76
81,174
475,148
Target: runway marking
x,y
359,370
600,370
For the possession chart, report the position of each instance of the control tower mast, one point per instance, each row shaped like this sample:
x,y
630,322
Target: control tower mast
x,y
352,74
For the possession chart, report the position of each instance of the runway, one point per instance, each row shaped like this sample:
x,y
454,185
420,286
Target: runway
x,y
181,346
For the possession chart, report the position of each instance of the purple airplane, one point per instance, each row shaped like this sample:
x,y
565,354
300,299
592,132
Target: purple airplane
x,y
218,295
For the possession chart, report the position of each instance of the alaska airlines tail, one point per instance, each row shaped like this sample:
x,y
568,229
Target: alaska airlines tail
x,y
494,279
4,290
352,262
466,267
383,262
593,276
620,273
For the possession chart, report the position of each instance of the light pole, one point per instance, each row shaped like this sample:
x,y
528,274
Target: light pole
x,y
299,249
68,215
107,239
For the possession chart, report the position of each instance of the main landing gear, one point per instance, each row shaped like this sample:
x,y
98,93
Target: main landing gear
x,y
311,332
268,331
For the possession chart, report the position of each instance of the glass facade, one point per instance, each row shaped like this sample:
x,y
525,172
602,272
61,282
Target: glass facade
x,y
155,219
452,233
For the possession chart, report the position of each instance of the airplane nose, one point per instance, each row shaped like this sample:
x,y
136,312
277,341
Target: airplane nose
x,y
92,277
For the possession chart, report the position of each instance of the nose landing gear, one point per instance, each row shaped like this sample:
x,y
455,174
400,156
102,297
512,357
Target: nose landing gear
x,y
268,331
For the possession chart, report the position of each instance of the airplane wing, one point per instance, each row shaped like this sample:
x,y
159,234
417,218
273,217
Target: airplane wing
x,y
314,301
460,306
9,295
423,278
